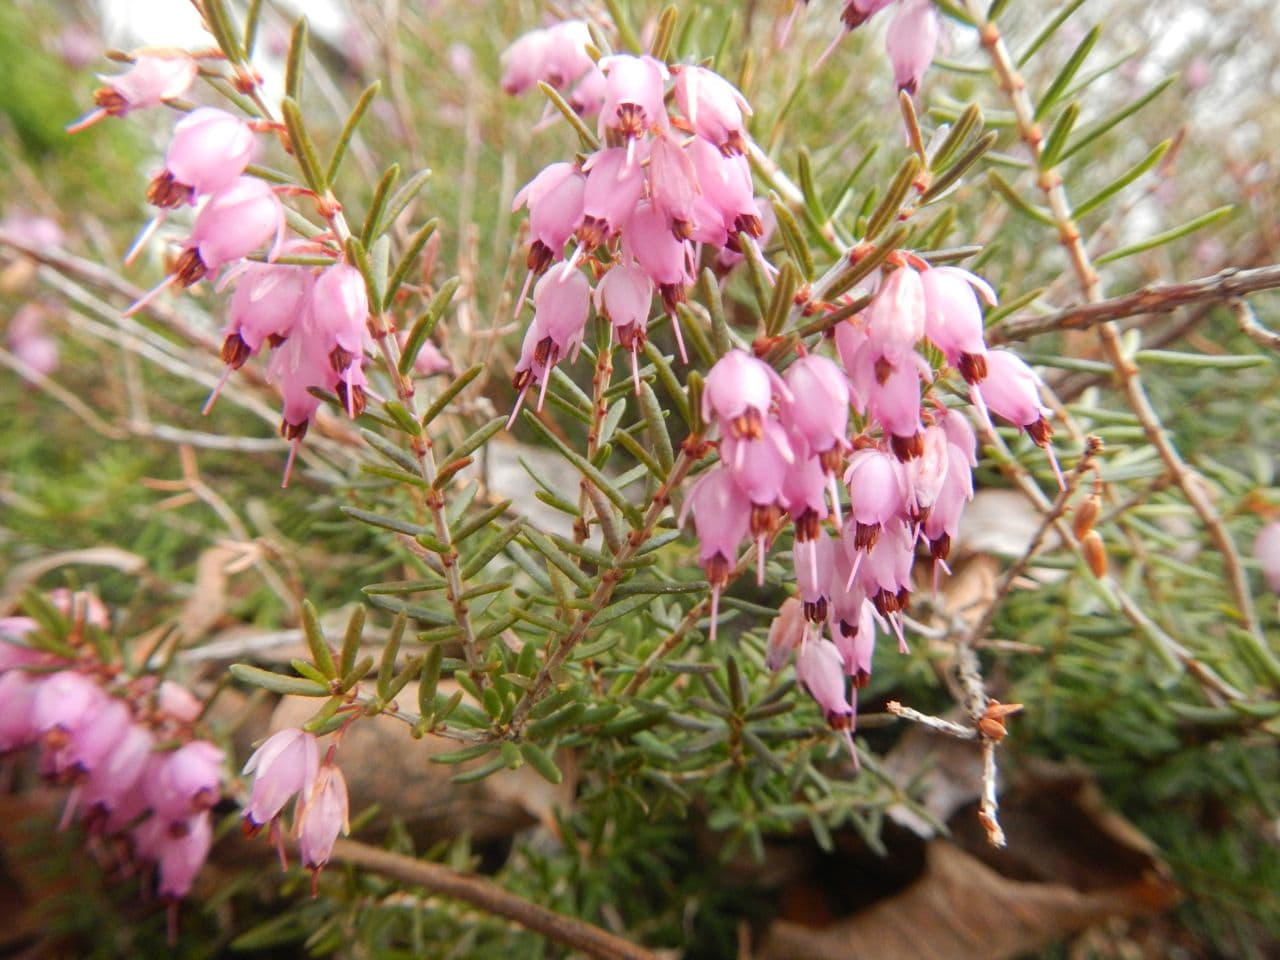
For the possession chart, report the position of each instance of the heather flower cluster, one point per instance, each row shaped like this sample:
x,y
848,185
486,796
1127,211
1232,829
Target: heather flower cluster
x,y
313,319
665,184
860,499
141,782
910,41
287,767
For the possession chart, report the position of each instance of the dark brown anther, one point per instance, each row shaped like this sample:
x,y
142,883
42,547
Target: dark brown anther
x,y
749,224
832,460
733,145
865,535
234,351
1040,431
907,448
883,370
631,120
764,520
107,99
592,233
973,367
352,398
189,268
166,192
808,526
940,547
748,425
275,340
340,359
717,570
816,611
681,229
672,294
540,257
293,431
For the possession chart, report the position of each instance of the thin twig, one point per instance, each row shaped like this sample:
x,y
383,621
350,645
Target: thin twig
x,y
936,724
488,896
1151,300
1252,327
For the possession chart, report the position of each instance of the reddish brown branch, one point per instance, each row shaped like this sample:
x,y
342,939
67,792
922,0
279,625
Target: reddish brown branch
x,y
1151,300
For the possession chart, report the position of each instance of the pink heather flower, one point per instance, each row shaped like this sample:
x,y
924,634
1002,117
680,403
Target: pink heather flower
x,y
268,300
818,409
29,342
713,106
893,397
284,766
885,573
231,225
672,184
739,390
759,463
960,432
18,691
178,848
149,82
612,191
89,743
562,301
820,667
721,520
116,779
210,148
430,359
725,182
854,634
943,521
649,242
953,319
927,473
623,297
896,318
814,561
296,368
1266,547
804,489
34,228
178,702
877,494
857,12
587,96
13,653
785,633
524,61
565,54
185,781
911,41
633,98
555,201
1011,390
323,817
339,313
64,702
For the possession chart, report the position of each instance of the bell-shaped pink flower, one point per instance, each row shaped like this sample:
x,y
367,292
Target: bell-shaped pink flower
x,y
739,390
633,99
284,766
566,57
893,398
896,318
232,224
804,490
818,408
89,743
814,563
927,473
297,367
854,634
885,573
323,817
339,313
524,62
612,191
151,80
877,493
268,301
118,776
725,181
210,148
911,41
178,848
562,302
1011,390
943,521
713,106
65,702
673,184
785,634
623,297
820,667
960,432
722,521
953,319
759,462
18,691
1266,548
555,201
649,242
185,781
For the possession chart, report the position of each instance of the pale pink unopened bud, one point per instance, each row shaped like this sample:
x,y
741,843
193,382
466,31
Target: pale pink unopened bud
x,y
284,766
911,41
1266,547
785,633
324,816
